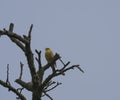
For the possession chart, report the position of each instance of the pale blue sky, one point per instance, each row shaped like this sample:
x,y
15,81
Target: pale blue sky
x,y
85,32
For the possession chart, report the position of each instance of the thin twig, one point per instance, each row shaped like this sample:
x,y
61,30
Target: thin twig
x,y
50,83
72,67
7,80
21,70
29,34
80,69
38,59
20,91
53,87
62,61
65,65
48,95
61,70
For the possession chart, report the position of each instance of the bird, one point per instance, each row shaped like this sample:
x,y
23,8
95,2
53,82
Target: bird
x,y
49,57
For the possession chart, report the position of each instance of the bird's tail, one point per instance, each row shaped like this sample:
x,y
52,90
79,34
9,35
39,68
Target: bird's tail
x,y
53,67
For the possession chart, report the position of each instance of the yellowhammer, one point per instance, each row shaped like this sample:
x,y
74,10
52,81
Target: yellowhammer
x,y
49,57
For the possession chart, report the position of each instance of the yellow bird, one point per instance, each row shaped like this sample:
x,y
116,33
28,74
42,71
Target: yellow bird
x,y
49,57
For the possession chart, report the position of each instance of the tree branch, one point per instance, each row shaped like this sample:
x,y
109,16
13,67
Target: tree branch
x,y
60,72
18,43
50,83
30,61
30,30
38,59
21,70
17,39
48,95
72,67
14,35
7,80
27,86
12,89
53,87
20,91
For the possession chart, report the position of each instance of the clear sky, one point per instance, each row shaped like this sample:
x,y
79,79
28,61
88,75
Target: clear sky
x,y
85,32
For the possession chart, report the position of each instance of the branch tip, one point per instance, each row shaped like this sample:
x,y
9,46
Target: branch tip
x,y
30,30
11,27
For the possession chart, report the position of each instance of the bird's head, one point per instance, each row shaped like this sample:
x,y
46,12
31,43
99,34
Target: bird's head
x,y
46,49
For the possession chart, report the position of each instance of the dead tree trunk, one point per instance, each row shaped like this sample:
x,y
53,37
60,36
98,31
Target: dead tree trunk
x,y
37,85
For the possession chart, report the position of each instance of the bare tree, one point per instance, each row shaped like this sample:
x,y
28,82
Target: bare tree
x,y
39,86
